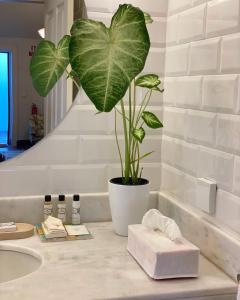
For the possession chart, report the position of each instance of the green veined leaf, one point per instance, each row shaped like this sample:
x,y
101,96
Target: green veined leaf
x,y
151,120
149,81
48,64
148,18
107,59
139,134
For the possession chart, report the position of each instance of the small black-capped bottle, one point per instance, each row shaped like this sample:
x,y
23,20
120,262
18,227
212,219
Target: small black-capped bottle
x,y
61,197
61,208
47,209
76,210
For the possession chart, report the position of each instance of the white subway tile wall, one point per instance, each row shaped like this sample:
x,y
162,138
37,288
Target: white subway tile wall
x,y
188,92
171,31
174,122
236,178
172,180
204,56
230,58
191,24
201,127
201,103
175,6
155,61
220,93
222,17
176,60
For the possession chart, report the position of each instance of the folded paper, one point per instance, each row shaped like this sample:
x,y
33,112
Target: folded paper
x,y
53,228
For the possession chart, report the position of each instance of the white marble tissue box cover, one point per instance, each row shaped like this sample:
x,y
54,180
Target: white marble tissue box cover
x,y
160,257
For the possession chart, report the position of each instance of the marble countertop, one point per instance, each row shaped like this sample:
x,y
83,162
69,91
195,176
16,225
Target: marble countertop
x,y
101,268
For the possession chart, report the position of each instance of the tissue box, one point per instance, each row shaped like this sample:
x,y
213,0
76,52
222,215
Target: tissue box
x,y
160,257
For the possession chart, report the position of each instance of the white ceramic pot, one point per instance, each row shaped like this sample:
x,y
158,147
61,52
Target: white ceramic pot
x,y
128,204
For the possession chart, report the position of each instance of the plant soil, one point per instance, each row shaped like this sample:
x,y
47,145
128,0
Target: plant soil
x,y
120,181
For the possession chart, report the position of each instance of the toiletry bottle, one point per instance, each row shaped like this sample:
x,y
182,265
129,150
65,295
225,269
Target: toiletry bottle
x,y
61,208
47,208
76,210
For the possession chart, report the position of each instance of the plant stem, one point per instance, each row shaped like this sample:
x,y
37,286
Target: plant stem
x,y
134,102
135,160
116,136
130,125
120,112
135,152
143,156
134,175
140,176
127,154
130,117
143,107
138,158
74,81
140,109
150,95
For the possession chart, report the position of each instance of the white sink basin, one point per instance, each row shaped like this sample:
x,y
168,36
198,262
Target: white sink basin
x,y
16,262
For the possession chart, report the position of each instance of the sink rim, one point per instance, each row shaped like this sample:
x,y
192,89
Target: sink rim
x,y
24,250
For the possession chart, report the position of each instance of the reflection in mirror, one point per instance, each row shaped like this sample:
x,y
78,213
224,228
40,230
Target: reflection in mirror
x,y
21,108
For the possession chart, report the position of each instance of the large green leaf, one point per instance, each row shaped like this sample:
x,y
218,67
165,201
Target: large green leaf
x,y
48,64
151,120
107,59
139,134
149,81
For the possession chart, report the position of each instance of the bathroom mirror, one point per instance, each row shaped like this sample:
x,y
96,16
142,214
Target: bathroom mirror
x,y
22,109
25,117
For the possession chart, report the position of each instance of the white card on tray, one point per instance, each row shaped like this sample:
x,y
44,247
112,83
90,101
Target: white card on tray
x,y
77,230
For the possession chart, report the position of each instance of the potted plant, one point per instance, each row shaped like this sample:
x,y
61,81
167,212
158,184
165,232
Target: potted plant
x,y
106,63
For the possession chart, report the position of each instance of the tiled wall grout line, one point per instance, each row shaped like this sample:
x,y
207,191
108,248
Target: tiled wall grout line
x,y
198,144
219,55
200,39
205,21
201,109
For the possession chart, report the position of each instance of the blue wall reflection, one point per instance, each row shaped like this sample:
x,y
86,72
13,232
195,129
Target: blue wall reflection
x,y
4,97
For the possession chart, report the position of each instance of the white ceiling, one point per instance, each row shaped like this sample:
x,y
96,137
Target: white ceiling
x,y
21,19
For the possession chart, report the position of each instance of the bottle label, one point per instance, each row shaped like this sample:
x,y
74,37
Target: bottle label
x,y
61,210
62,217
76,219
47,211
76,210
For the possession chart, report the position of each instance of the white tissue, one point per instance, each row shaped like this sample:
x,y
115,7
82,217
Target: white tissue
x,y
53,228
154,220
53,224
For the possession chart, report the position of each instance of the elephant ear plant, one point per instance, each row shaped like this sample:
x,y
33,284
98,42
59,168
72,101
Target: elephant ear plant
x,y
106,62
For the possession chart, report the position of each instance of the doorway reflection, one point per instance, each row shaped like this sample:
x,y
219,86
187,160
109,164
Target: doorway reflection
x,y
4,98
